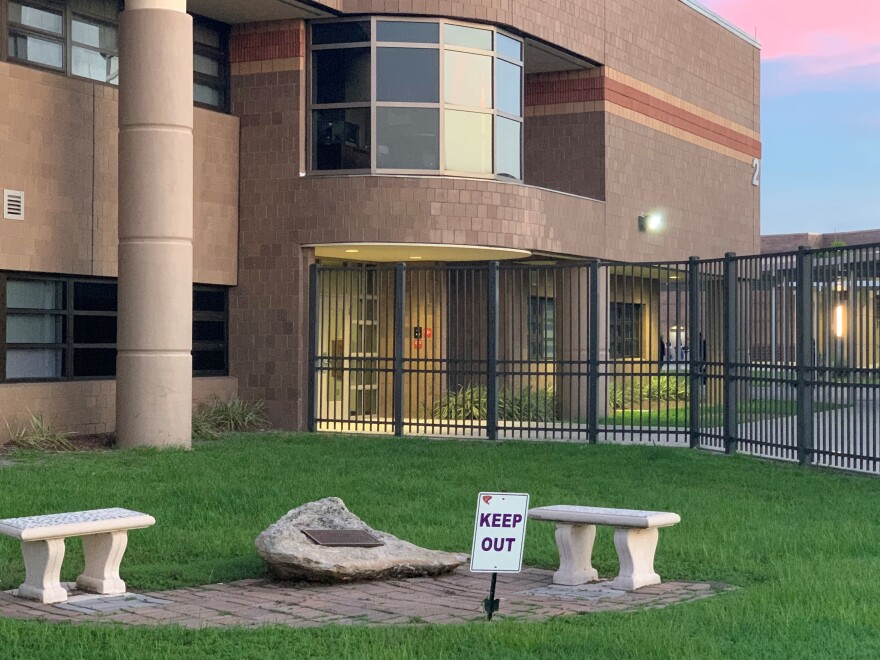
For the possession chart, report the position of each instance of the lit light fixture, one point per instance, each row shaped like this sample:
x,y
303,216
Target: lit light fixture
x,y
839,323
415,258
351,251
652,223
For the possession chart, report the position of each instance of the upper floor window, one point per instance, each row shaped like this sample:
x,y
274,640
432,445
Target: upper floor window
x,y
413,95
211,63
78,37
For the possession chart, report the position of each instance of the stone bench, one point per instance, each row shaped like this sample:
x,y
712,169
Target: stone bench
x,y
635,537
105,537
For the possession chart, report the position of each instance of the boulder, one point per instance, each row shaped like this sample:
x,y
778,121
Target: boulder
x,y
291,555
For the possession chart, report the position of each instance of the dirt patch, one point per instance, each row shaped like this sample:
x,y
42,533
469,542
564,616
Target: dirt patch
x,y
93,441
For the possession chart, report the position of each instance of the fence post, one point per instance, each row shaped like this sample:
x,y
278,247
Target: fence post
x,y
399,342
695,359
594,366
312,423
729,300
804,356
492,351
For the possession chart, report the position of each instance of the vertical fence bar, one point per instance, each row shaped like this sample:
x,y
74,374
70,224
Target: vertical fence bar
x,y
593,370
313,347
694,355
399,340
729,300
804,350
492,351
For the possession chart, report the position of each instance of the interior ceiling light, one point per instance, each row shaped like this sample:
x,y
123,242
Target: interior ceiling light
x,y
351,251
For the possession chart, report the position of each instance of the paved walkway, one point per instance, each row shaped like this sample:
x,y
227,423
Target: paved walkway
x,y
455,598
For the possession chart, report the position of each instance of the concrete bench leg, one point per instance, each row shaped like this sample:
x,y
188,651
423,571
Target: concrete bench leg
x,y
42,566
635,550
575,544
103,554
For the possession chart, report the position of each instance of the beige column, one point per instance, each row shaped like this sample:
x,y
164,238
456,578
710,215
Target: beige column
x,y
154,363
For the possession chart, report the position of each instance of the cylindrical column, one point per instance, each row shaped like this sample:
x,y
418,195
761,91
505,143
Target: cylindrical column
x,y
154,362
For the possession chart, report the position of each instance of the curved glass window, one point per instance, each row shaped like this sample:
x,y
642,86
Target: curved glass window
x,y
416,95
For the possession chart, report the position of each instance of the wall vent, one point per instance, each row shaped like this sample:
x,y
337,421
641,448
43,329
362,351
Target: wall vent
x,y
13,205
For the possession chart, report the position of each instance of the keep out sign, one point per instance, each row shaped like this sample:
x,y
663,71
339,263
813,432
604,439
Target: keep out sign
x,y
499,533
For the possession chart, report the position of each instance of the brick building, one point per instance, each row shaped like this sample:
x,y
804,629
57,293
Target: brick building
x,y
362,131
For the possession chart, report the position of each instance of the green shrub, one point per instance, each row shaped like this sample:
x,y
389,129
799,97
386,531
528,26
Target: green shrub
x,y
210,420
470,402
466,403
39,435
632,391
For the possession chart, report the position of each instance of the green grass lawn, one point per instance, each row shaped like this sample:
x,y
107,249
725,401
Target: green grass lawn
x,y
803,545
710,416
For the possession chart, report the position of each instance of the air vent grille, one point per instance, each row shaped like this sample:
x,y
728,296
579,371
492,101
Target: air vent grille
x,y
13,205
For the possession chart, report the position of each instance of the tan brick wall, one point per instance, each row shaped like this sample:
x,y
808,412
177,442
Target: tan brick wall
x,y
790,242
84,406
58,143
708,199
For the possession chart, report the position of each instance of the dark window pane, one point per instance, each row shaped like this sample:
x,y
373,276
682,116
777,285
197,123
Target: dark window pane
x,y
542,328
94,362
34,17
408,138
508,47
36,50
94,296
106,9
508,148
625,330
207,35
209,300
340,33
209,331
209,361
341,75
508,87
408,75
459,35
341,139
408,31
94,329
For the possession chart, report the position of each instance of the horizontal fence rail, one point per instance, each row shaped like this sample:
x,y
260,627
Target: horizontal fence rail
x,y
771,355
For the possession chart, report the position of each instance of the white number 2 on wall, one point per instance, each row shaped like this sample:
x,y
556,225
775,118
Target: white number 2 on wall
x,y
756,179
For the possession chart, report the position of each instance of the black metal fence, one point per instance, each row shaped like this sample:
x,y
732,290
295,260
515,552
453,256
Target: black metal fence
x,y
772,355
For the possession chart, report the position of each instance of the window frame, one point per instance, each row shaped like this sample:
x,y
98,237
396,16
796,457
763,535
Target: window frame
x,y
69,313
220,55
65,39
538,323
633,339
441,106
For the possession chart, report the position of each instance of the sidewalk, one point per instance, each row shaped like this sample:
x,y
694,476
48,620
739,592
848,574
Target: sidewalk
x,y
455,598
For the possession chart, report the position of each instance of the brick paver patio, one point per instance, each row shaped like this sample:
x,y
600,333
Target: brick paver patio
x,y
454,598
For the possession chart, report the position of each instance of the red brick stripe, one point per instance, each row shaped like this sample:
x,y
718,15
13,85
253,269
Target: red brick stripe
x,y
600,88
267,41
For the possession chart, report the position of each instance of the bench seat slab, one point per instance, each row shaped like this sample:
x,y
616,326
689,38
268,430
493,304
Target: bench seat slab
x,y
42,566
103,555
575,544
635,550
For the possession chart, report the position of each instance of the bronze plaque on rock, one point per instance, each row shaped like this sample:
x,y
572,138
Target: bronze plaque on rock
x,y
343,538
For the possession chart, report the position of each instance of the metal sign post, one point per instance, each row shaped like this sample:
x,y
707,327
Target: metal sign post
x,y
499,538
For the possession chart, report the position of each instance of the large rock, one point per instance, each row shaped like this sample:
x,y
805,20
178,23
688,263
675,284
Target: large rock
x,y
291,555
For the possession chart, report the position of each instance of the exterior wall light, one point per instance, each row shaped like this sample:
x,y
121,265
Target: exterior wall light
x,y
652,223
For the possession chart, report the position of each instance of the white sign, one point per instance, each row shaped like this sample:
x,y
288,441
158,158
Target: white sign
x,y
499,532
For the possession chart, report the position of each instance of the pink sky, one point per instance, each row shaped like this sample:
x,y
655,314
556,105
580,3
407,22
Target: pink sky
x,y
826,37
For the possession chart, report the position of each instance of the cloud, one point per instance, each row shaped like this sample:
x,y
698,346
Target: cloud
x,y
811,45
